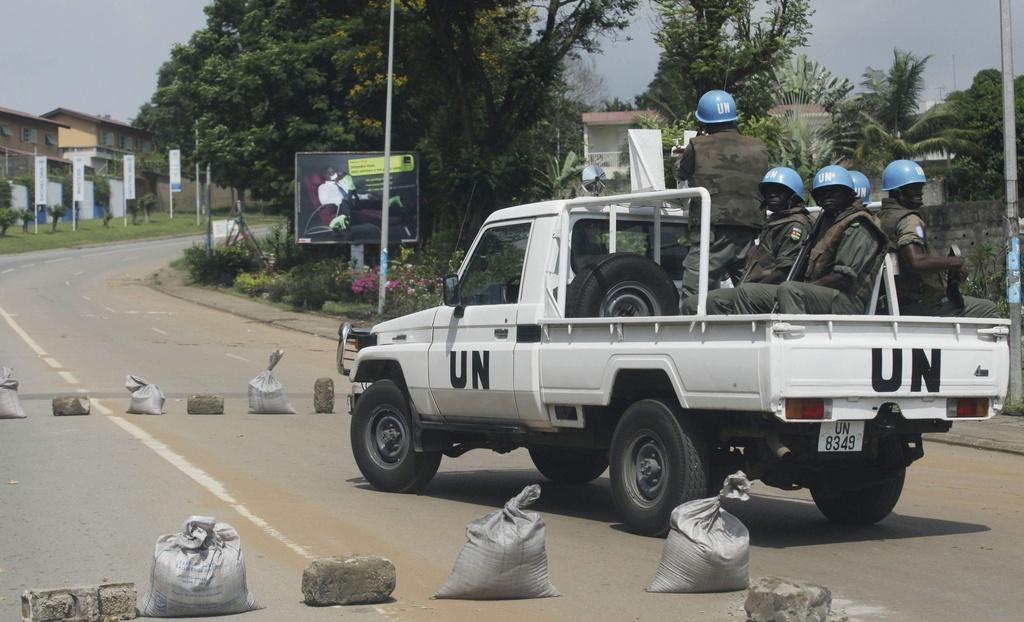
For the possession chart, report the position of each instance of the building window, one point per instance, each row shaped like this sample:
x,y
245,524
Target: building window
x,y
124,142
147,146
51,139
106,138
5,130
28,135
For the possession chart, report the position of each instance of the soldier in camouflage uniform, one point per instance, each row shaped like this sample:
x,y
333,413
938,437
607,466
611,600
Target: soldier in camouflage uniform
x,y
727,164
842,264
780,241
919,285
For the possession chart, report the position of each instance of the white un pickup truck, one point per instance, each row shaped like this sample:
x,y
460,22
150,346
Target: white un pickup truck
x,y
561,334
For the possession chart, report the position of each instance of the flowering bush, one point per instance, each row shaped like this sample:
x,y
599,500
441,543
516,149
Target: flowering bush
x,y
254,283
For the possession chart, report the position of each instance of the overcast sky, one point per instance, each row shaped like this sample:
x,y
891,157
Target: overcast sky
x,y
101,56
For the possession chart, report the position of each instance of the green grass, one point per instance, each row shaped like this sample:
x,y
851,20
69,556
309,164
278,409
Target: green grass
x,y
93,232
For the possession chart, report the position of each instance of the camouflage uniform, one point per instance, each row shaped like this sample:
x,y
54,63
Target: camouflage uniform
x,y
853,245
923,293
778,246
729,165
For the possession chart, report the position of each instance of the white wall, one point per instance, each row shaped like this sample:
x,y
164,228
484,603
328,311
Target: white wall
x,y
116,202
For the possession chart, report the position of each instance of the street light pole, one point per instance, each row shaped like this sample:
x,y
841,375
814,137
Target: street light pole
x,y
382,293
1012,222
197,173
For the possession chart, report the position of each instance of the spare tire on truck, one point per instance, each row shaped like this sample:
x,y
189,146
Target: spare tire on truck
x,y
622,285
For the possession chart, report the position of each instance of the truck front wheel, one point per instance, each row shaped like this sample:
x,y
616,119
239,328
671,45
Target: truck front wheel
x,y
382,443
569,466
658,461
864,506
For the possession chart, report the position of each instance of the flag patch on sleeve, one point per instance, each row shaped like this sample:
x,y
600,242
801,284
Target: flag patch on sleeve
x,y
795,233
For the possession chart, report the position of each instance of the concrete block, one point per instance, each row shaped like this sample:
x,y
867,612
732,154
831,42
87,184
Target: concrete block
x,y
109,602
205,405
117,601
66,405
357,580
323,395
771,599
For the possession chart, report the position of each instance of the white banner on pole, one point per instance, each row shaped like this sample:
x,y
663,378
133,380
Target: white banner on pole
x,y
78,178
174,160
129,177
41,180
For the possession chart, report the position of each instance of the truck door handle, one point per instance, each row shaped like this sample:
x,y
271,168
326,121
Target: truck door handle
x,y
501,333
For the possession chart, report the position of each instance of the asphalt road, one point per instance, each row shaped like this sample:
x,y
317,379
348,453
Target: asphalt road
x,y
84,499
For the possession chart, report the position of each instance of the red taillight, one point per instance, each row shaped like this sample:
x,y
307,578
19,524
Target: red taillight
x,y
805,409
968,407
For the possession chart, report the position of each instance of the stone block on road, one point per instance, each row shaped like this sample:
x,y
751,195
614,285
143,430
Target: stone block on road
x,y
66,405
356,580
323,395
117,601
205,405
109,602
771,599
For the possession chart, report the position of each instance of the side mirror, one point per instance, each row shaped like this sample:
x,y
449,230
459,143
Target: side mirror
x,y
593,179
451,291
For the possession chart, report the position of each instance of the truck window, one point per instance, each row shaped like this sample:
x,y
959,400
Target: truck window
x,y
493,273
590,242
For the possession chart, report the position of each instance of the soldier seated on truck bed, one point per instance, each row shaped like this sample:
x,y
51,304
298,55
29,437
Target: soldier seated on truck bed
x,y
919,285
842,264
784,234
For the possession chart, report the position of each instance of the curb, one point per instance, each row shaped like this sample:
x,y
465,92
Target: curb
x,y
975,443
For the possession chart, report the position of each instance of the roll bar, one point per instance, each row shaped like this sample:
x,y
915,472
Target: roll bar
x,y
637,199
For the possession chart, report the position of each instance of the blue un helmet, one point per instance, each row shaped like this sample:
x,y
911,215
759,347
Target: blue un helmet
x,y
784,176
901,173
861,186
832,176
716,107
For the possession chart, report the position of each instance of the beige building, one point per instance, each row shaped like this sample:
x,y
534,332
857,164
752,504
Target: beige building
x,y
23,135
605,138
102,140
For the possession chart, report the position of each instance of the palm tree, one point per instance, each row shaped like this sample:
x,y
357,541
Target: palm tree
x,y
560,179
887,123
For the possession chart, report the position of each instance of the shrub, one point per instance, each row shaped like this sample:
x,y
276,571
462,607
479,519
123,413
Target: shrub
x,y
7,218
310,285
56,212
222,266
254,283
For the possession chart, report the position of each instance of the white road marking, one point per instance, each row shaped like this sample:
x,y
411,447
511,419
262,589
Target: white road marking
x,y
86,298
28,265
111,310
79,273
52,362
157,330
68,377
205,480
7,270
159,312
68,283
81,390
132,312
235,356
21,333
100,408
57,260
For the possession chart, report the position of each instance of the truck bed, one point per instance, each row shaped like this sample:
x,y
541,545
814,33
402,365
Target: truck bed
x,y
757,362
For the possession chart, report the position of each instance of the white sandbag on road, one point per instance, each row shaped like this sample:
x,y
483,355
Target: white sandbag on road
x,y
504,556
198,572
266,395
708,549
10,406
147,399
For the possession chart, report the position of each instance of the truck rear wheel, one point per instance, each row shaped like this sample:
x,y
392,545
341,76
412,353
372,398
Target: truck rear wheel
x,y
622,285
382,443
658,460
569,466
864,506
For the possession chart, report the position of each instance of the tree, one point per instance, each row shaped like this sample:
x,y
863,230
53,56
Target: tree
x,y
7,218
721,44
560,178
56,212
5,194
101,195
887,121
978,175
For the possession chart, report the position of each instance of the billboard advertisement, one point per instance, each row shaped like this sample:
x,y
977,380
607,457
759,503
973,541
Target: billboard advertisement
x,y
338,197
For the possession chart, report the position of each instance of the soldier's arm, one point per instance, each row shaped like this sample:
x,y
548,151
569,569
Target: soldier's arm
x,y
786,251
857,250
682,169
911,243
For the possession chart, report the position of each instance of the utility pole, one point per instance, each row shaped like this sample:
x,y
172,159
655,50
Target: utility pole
x,y
387,172
1012,222
209,217
197,173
